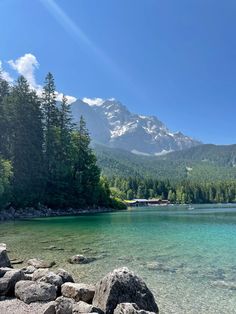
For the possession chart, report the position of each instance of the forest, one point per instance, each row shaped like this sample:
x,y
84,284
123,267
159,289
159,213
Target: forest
x,y
45,159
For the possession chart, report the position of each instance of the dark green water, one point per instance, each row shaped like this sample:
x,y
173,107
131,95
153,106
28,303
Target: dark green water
x,y
187,257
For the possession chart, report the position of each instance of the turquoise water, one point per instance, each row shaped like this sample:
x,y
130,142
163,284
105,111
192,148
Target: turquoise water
x,y
187,257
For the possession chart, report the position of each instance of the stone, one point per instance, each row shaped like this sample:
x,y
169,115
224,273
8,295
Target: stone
x,y
81,259
66,277
130,308
52,278
29,269
64,305
78,291
31,291
49,308
3,271
4,259
3,246
8,281
83,307
16,261
39,273
37,263
123,286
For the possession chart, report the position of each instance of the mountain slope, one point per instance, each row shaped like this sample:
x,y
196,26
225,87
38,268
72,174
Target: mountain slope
x,y
110,123
188,164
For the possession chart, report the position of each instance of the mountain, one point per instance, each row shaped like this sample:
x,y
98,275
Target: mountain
x,y
110,123
201,163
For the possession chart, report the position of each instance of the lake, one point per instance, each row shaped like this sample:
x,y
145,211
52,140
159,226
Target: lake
x,y
186,256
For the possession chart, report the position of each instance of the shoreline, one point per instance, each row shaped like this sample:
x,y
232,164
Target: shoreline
x,y
13,214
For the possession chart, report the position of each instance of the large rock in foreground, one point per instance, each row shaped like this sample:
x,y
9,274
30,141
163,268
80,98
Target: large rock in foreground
x,y
78,291
30,291
123,286
4,259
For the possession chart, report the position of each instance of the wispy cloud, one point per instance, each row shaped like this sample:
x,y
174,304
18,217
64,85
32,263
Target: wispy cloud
x,y
27,65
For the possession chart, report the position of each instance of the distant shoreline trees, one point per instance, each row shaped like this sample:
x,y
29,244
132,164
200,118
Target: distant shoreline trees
x,y
44,157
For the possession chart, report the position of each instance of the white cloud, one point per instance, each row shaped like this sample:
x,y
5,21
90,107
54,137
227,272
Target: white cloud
x,y
94,101
26,66
5,75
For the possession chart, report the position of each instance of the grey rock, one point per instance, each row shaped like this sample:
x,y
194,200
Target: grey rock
x,y
30,291
83,307
78,291
39,273
64,305
49,308
29,269
4,259
52,278
123,286
40,263
130,308
81,259
8,281
66,277
3,271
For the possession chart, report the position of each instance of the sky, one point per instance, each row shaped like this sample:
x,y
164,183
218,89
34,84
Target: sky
x,y
172,59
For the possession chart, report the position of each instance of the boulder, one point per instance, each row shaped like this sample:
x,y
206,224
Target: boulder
x,y
65,276
3,270
53,279
37,263
83,307
123,286
4,259
49,308
64,305
78,291
129,308
29,269
30,291
8,281
39,273
81,259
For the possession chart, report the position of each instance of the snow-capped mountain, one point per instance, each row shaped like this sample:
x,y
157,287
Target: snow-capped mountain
x,y
111,123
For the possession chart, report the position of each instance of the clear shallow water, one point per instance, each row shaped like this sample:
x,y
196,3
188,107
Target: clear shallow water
x,y
187,257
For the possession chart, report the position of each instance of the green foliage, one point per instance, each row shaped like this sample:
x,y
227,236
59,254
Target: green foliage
x,y
52,162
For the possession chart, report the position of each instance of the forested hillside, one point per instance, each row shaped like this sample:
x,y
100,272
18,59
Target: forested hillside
x,y
203,174
44,158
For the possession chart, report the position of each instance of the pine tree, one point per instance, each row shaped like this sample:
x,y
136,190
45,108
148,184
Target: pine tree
x,y
86,174
27,141
4,126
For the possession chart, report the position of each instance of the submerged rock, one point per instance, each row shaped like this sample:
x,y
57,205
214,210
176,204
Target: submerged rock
x,y
123,286
8,281
30,291
81,259
40,263
78,291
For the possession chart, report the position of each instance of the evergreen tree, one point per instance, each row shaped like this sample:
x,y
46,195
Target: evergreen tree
x,y
27,140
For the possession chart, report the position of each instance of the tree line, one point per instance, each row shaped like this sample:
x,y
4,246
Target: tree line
x,y
44,157
184,191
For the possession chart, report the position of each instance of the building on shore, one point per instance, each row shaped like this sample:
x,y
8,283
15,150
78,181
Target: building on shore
x,y
146,202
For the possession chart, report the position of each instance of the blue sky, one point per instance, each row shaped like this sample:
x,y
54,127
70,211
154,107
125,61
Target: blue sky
x,y
173,59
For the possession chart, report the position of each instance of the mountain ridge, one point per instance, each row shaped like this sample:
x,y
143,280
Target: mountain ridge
x,y
111,123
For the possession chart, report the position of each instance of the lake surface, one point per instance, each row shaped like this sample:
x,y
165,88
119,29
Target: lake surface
x,y
186,256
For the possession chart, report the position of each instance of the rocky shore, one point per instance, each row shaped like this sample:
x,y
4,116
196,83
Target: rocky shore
x,y
36,289
24,213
